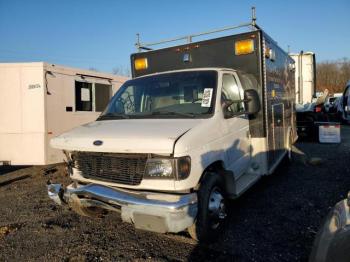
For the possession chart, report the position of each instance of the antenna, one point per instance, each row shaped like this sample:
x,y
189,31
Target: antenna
x,y
138,44
253,16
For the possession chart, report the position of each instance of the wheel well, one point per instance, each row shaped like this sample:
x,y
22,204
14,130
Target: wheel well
x,y
216,166
228,177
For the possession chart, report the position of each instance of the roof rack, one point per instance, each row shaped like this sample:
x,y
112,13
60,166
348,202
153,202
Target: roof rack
x,y
146,46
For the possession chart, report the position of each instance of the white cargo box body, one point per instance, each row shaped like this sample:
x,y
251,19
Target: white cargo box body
x,y
39,101
305,76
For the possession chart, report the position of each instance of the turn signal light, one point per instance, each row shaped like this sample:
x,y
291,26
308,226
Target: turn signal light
x,y
244,47
140,63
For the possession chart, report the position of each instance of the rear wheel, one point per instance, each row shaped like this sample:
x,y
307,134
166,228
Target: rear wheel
x,y
212,209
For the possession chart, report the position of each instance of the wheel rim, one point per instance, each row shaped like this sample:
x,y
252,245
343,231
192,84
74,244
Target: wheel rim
x,y
217,208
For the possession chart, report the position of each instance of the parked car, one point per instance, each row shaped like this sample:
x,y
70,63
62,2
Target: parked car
x,y
344,104
322,109
330,104
332,242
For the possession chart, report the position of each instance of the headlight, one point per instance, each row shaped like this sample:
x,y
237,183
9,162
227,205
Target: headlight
x,y
168,168
159,168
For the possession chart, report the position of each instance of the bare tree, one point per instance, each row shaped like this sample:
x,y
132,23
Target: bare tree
x,y
121,70
333,75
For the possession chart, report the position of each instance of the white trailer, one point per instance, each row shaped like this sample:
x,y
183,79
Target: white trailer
x,y
305,76
40,100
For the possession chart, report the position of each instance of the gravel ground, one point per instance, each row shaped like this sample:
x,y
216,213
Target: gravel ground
x,y
276,220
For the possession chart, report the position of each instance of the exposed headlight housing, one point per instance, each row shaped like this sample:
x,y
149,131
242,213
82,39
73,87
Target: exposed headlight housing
x,y
168,168
159,168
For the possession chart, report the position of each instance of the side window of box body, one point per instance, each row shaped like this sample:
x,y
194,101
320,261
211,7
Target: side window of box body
x,y
103,94
83,96
91,97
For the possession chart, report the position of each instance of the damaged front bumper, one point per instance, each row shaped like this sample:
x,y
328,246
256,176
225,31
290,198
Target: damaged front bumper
x,y
158,212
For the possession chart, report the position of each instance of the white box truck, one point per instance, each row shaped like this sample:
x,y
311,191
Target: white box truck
x,y
305,76
197,125
40,100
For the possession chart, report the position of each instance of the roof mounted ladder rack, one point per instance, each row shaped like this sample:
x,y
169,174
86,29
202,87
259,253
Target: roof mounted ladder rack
x,y
146,46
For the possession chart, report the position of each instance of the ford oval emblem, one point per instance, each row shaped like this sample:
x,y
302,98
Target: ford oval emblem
x,y
98,142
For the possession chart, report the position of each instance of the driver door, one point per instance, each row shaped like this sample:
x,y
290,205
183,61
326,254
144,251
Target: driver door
x,y
236,126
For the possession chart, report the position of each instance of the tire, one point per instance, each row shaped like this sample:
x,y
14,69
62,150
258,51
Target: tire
x,y
290,154
212,209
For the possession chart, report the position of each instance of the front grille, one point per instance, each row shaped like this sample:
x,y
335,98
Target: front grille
x,y
125,169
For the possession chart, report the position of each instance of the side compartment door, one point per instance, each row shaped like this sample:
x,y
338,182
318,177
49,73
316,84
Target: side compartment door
x,y
236,127
278,134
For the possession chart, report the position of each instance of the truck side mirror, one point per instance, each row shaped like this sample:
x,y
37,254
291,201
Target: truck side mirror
x,y
251,101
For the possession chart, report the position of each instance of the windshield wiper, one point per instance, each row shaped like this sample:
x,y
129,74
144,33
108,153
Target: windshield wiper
x,y
113,116
164,112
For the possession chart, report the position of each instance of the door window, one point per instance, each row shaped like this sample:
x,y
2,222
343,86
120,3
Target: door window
x,y
232,91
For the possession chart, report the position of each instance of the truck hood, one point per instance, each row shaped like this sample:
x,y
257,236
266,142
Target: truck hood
x,y
155,136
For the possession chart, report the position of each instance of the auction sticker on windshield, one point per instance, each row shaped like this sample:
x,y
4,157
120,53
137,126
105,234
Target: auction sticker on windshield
x,y
207,95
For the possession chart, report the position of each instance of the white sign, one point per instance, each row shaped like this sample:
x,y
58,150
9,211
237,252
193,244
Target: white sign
x,y
329,133
207,95
85,94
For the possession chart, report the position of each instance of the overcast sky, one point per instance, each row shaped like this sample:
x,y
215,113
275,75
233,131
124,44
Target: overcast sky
x,y
102,34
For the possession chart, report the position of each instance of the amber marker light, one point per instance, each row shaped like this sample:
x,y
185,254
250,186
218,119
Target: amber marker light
x,y
244,47
183,167
273,93
140,63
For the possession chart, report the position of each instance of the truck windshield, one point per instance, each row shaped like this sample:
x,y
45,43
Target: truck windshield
x,y
188,94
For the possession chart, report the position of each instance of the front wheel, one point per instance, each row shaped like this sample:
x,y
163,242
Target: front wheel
x,y
212,209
